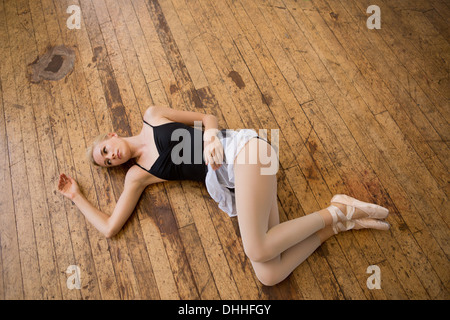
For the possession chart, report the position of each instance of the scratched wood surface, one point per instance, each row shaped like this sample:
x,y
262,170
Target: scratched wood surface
x,y
362,112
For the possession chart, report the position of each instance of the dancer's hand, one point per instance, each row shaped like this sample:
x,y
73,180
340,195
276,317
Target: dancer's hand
x,y
68,186
213,151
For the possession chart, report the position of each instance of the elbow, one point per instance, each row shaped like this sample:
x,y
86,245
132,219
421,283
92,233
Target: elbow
x,y
110,231
109,234
210,116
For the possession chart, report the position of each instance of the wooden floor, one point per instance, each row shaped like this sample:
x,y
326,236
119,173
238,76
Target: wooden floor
x,y
362,112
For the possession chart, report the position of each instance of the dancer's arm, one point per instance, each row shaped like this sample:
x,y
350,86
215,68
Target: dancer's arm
x,y
187,117
108,225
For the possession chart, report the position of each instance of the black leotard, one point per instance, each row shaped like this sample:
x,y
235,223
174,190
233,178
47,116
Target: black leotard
x,y
176,167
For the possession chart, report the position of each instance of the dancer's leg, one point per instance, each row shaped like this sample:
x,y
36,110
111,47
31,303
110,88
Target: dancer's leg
x,y
276,270
275,249
255,199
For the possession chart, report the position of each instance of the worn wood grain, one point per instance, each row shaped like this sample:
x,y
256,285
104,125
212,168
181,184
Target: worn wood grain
x,y
362,112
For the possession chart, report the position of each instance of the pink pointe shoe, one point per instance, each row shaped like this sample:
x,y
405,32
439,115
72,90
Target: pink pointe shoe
x,y
373,211
363,223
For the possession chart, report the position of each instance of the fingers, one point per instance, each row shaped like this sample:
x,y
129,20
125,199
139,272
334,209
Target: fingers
x,y
208,155
63,180
214,159
214,154
218,156
61,183
66,178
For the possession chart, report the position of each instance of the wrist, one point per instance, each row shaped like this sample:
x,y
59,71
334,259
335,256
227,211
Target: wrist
x,y
210,134
76,197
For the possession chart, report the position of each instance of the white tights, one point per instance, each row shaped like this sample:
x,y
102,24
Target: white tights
x,y
275,249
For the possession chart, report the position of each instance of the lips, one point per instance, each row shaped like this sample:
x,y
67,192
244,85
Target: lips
x,y
118,155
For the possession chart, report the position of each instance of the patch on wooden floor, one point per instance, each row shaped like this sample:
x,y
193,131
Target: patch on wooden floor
x,y
237,79
266,99
335,16
54,65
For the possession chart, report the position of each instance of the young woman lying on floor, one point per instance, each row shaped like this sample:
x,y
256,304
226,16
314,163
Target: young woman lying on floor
x,y
237,167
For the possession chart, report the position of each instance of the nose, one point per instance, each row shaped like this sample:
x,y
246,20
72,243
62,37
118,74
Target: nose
x,y
112,156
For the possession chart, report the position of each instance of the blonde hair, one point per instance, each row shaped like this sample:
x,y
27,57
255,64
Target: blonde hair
x,y
90,149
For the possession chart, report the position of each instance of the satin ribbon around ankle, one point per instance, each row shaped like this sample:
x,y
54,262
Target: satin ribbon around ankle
x,y
345,223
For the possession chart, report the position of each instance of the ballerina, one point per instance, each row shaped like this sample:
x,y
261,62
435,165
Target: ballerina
x,y
234,166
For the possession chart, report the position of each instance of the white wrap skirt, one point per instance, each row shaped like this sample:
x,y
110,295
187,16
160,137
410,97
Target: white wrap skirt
x,y
220,181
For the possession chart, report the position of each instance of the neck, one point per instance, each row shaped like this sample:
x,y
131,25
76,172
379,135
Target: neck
x,y
136,145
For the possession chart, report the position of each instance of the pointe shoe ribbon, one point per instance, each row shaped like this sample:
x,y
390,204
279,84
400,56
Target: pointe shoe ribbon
x,y
339,225
342,222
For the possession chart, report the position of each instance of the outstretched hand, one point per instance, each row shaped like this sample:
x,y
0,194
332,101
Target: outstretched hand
x,y
68,186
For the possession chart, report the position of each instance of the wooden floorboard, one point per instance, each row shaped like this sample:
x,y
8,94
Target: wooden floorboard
x,y
362,112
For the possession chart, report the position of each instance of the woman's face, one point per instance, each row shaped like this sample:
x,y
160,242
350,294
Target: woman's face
x,y
111,152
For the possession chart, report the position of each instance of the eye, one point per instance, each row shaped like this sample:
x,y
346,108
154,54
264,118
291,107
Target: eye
x,y
104,150
108,162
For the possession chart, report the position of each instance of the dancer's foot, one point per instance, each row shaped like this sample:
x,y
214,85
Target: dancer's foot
x,y
364,223
356,209
349,213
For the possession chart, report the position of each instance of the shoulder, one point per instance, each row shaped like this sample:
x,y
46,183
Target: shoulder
x,y
154,113
159,114
138,177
